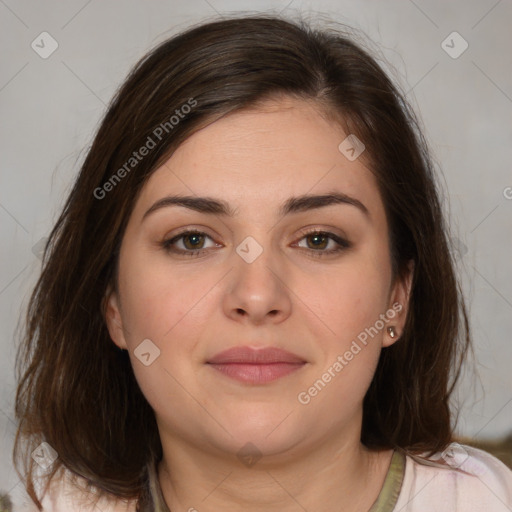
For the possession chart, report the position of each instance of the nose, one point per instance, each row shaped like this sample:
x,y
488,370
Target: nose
x,y
256,291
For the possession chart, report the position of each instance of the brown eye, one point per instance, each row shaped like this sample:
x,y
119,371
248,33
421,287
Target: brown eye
x,y
192,242
318,241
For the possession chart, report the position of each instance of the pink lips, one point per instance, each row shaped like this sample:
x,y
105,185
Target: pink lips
x,y
256,366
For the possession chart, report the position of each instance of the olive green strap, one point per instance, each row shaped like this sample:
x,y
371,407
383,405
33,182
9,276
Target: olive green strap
x,y
388,496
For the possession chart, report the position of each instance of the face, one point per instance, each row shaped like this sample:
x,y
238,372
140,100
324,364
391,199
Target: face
x,y
313,279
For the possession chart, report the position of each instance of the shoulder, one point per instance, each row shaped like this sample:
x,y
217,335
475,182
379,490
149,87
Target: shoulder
x,y
68,493
460,478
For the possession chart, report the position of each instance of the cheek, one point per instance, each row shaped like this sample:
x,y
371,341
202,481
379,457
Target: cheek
x,y
167,308
350,298
156,296
349,303
349,350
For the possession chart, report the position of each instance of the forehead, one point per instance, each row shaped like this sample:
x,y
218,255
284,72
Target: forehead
x,y
280,149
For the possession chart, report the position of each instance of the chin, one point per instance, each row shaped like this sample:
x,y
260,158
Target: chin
x,y
266,435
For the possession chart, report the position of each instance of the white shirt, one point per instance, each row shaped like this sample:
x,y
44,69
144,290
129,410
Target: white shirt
x,y
465,479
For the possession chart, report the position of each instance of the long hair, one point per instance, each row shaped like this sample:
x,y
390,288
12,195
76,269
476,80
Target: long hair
x,y
76,389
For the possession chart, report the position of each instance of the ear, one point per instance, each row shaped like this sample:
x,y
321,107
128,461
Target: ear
x,y
113,318
399,303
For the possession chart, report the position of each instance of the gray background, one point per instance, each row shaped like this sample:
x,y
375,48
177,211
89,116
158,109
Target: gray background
x,y
50,108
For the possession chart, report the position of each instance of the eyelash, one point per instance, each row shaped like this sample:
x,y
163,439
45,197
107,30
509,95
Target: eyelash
x,y
342,244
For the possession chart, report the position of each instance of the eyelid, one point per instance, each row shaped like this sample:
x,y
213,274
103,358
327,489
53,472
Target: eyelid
x,y
309,230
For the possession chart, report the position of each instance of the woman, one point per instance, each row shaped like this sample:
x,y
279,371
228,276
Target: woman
x,y
248,302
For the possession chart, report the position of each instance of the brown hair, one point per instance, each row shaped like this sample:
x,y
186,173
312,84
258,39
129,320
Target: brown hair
x,y
77,390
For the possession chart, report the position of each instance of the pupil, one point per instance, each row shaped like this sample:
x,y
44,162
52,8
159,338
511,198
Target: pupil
x,y
317,238
196,237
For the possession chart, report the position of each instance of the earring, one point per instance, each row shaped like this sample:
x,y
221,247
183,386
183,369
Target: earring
x,y
392,332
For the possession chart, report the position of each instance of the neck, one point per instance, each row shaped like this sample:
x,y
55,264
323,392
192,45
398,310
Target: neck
x,y
340,475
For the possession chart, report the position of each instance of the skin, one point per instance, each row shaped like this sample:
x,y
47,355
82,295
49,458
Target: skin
x,y
192,307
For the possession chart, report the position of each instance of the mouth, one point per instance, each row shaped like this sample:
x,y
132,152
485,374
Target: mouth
x,y
256,366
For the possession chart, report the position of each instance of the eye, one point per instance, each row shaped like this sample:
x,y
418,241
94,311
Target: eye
x,y
320,240
192,242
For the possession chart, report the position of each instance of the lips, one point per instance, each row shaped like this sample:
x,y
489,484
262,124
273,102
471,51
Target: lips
x,y
256,366
250,355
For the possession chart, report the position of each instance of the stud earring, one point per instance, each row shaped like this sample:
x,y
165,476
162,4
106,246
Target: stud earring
x,y
392,332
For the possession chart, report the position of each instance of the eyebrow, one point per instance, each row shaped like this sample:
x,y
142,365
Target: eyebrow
x,y
292,205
